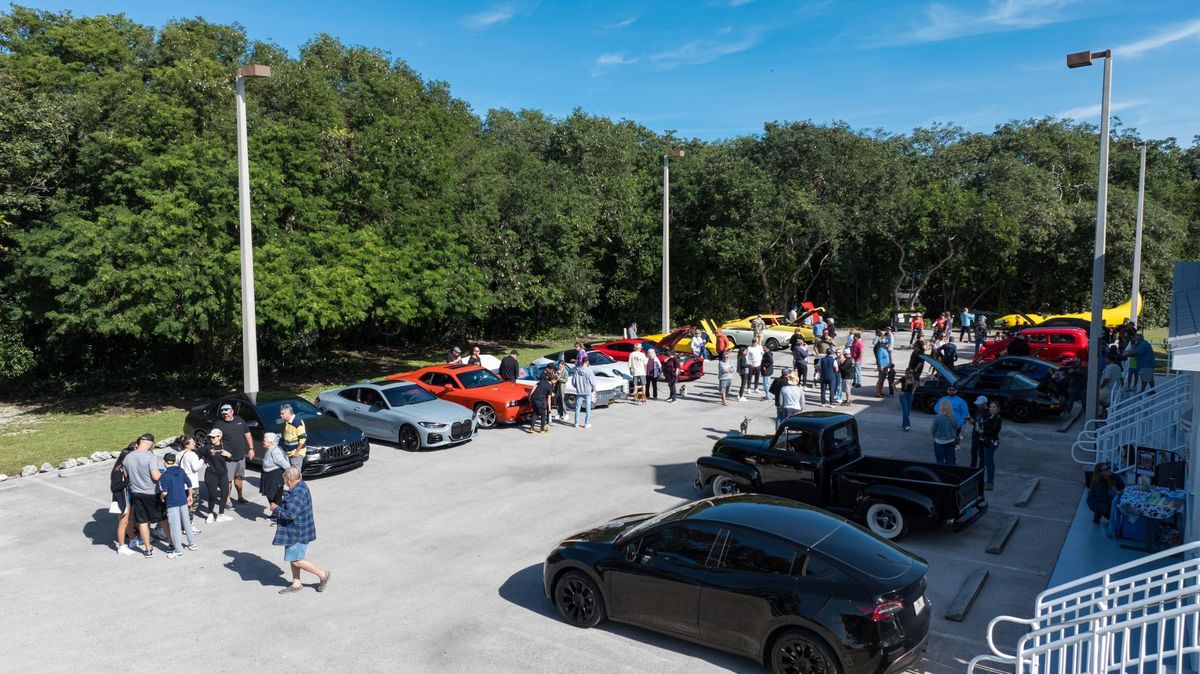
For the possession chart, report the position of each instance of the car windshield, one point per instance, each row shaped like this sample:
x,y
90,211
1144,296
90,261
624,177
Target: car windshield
x,y
399,396
683,511
269,412
477,378
597,358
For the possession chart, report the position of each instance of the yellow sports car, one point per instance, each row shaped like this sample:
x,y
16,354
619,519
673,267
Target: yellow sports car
x,y
684,345
1113,316
778,332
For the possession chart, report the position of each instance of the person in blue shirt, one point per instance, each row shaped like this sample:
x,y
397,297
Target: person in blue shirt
x,y
961,411
965,319
176,489
1146,361
818,327
827,371
883,361
296,530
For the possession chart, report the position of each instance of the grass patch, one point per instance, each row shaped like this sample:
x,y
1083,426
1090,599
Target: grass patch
x,y
27,438
33,431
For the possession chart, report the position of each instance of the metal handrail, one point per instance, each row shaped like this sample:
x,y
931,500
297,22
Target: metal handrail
x,y
1096,610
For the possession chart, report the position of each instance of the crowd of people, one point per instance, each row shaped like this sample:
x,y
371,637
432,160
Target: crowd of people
x,y
159,498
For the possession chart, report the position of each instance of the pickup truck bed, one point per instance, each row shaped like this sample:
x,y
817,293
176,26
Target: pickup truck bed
x,y
958,485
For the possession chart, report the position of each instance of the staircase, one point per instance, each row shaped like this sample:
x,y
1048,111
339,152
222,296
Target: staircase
x,y
1142,617
1159,420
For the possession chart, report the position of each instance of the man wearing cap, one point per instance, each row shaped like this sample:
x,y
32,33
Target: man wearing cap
x,y
142,467
236,437
455,354
510,369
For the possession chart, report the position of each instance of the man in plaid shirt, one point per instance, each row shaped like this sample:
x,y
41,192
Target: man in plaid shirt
x,y
296,529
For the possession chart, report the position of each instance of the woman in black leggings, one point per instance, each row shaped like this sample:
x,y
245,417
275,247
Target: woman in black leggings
x,y
216,477
743,371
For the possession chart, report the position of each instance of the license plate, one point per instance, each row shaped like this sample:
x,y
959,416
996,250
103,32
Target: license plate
x,y
919,604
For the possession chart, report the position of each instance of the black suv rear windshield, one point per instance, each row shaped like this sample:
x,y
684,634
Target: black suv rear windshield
x,y
860,550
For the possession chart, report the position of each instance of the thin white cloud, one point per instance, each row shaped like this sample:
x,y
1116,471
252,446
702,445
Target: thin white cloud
x,y
697,52
615,59
1088,112
738,3
489,18
947,22
1183,31
625,23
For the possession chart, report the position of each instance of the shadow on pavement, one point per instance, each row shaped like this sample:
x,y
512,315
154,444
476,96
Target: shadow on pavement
x,y
252,567
677,479
524,588
102,530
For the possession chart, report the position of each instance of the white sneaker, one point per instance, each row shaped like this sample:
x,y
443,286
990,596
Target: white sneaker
x,y
224,518
210,519
125,550
587,425
173,554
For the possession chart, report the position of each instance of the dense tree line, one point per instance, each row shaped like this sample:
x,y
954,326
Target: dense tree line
x,y
384,208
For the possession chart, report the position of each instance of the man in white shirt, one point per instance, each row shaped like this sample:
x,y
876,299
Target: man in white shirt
x,y
637,367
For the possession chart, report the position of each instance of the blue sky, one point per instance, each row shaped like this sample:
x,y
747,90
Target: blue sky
x,y
721,68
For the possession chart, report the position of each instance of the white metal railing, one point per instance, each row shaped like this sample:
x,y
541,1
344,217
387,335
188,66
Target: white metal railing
x,y
1142,420
1121,620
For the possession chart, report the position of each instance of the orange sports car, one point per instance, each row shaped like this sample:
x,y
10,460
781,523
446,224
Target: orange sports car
x,y
493,399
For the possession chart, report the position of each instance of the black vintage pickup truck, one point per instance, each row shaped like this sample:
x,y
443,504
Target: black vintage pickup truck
x,y
815,458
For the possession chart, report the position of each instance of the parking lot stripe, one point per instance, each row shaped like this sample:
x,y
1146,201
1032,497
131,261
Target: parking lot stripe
x,y
47,483
1006,567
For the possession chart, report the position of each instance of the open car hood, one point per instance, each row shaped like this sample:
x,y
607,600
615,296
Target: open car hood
x,y
674,336
941,369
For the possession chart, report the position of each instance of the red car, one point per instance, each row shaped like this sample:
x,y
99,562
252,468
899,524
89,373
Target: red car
x,y
493,400
1057,345
691,368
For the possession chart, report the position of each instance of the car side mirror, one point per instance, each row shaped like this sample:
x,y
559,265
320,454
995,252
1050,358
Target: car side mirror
x,y
631,552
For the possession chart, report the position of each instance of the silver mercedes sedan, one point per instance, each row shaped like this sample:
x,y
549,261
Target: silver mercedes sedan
x,y
400,412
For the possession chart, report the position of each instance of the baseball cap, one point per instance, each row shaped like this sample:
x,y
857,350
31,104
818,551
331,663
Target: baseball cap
x,y
215,433
169,458
952,387
226,408
456,350
147,437
981,400
513,352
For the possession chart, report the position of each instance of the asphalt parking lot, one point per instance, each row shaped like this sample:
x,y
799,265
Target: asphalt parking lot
x,y
437,555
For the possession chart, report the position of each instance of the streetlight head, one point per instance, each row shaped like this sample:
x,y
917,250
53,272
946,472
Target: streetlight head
x,y
254,71
1079,59
675,153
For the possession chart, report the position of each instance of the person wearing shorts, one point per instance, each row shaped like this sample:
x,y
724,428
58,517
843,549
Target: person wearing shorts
x,y
141,466
296,529
725,369
239,444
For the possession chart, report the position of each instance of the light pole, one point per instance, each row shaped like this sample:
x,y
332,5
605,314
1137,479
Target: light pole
x,y
666,236
249,332
1135,299
1079,60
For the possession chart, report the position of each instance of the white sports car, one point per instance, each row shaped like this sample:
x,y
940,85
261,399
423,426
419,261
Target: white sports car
x,y
602,365
400,412
608,389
